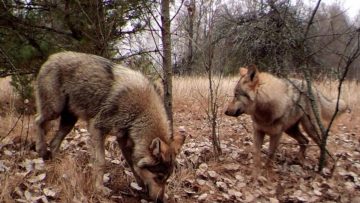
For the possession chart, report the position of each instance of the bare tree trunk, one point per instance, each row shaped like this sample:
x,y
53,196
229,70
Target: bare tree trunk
x,y
213,107
168,72
213,104
191,15
314,106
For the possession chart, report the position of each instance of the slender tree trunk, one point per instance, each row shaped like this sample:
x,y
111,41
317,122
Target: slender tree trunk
x,y
213,105
168,72
191,15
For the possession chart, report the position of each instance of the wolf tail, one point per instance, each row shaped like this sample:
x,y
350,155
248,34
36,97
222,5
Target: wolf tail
x,y
328,106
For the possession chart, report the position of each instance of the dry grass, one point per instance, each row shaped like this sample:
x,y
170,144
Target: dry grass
x,y
7,97
73,176
350,95
188,89
13,126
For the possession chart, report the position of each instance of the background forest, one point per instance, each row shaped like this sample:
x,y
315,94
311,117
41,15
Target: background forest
x,y
268,33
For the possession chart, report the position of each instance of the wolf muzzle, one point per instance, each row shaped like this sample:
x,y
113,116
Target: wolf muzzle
x,y
237,113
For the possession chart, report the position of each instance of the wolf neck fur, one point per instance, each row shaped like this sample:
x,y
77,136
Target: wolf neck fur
x,y
267,99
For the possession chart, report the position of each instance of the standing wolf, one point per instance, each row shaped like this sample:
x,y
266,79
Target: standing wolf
x,y
112,99
276,106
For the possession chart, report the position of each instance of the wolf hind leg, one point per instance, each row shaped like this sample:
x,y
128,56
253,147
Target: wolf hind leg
x,y
295,133
67,122
311,130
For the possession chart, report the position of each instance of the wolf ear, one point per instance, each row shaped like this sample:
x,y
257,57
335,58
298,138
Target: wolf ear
x,y
253,72
243,71
155,147
159,151
178,140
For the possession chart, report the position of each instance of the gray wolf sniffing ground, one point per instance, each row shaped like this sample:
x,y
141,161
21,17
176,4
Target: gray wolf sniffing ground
x,y
112,99
276,106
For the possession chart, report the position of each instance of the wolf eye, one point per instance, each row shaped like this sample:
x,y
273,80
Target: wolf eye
x,y
245,95
160,178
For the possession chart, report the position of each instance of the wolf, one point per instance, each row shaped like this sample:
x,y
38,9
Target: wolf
x,y
112,99
279,105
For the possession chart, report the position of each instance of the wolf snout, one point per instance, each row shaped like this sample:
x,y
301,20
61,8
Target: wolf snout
x,y
234,113
159,201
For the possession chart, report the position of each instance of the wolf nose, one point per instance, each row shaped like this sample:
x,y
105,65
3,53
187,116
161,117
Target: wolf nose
x,y
227,112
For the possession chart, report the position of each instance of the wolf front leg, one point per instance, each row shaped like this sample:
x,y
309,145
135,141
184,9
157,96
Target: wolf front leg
x,y
274,143
41,147
67,122
97,140
127,146
258,142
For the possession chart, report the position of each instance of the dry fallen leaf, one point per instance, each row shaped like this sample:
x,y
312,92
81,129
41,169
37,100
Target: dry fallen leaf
x,y
49,192
106,177
28,195
212,174
232,167
202,197
143,201
37,178
135,186
273,200
221,185
38,164
3,168
200,181
8,152
234,193
249,197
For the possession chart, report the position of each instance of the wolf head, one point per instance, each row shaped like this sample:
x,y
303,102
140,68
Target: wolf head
x,y
156,168
244,92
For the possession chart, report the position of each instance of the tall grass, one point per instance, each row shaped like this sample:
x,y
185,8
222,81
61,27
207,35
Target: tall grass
x,y
190,90
350,94
7,97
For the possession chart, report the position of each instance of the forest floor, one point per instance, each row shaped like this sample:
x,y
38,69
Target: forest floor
x,y
199,176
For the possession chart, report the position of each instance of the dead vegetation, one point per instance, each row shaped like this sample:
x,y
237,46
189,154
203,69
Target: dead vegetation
x,y
198,176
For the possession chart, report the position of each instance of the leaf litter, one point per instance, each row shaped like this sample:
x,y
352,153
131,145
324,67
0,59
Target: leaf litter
x,y
201,177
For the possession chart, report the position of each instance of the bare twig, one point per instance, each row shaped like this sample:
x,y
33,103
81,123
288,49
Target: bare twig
x,y
12,128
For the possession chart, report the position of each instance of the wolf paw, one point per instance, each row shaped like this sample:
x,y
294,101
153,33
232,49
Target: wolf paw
x,y
44,153
47,155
